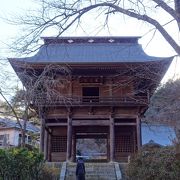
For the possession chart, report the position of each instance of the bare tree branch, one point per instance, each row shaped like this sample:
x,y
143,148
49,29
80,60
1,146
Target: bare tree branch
x,y
167,8
65,14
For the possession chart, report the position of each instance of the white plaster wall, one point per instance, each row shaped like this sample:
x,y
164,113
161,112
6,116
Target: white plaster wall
x,y
16,137
13,137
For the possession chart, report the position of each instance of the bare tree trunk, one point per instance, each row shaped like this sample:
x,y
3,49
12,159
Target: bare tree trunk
x,y
177,9
17,118
24,132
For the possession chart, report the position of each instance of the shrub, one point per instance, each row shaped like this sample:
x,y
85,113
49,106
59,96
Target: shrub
x,y
50,173
156,164
20,164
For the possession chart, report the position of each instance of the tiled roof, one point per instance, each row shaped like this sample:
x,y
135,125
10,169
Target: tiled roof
x,y
8,123
90,50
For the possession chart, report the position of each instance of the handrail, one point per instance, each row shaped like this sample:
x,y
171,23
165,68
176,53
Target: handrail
x,y
87,100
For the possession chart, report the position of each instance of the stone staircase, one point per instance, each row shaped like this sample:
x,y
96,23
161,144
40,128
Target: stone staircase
x,y
94,171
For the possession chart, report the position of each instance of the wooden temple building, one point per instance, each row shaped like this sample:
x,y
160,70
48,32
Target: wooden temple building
x,y
109,83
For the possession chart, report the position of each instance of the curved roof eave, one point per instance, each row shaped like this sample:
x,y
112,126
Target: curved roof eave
x,y
85,53
19,61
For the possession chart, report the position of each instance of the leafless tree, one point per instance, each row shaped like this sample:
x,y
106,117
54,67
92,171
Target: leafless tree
x,y
64,14
44,85
6,90
41,89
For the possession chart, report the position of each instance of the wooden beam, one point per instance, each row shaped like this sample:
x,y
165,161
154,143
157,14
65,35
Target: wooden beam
x,y
69,138
122,116
88,116
119,116
90,122
125,124
90,136
56,115
56,124
91,133
111,128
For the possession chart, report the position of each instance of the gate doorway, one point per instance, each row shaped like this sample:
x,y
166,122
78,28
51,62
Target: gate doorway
x,y
91,145
92,149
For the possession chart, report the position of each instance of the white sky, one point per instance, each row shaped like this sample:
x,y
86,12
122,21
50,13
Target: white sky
x,y
119,27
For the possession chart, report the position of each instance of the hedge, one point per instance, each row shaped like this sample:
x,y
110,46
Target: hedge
x,y
157,164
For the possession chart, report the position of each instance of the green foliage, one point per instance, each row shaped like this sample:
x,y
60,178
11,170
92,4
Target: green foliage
x,y
157,164
50,173
24,164
20,164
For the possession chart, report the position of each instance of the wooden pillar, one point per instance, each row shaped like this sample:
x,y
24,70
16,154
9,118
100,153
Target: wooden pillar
x,y
42,130
138,130
45,144
111,128
70,87
49,147
110,88
69,138
108,147
73,148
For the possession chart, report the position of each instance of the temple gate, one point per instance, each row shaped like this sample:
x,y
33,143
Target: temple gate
x,y
108,86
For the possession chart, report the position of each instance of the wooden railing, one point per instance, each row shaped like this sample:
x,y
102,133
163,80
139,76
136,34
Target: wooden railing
x,y
90,100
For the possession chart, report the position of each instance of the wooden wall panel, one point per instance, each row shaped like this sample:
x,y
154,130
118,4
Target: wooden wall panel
x,y
132,111
123,91
76,88
57,112
125,144
119,87
102,111
63,89
86,111
127,90
58,144
59,131
58,156
104,91
117,91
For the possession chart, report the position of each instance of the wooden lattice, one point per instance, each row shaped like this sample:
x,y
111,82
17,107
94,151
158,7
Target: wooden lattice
x,y
59,143
124,143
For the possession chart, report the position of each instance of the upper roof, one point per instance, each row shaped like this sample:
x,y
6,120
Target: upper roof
x,y
90,50
8,123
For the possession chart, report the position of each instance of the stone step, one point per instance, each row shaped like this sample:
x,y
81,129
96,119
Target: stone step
x,y
94,171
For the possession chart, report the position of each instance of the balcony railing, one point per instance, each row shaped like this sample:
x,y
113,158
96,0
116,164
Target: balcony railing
x,y
90,100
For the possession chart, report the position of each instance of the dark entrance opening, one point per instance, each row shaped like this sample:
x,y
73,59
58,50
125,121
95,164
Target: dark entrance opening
x,y
90,94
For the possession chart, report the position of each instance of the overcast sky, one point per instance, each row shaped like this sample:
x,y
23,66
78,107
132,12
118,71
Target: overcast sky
x,y
118,27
